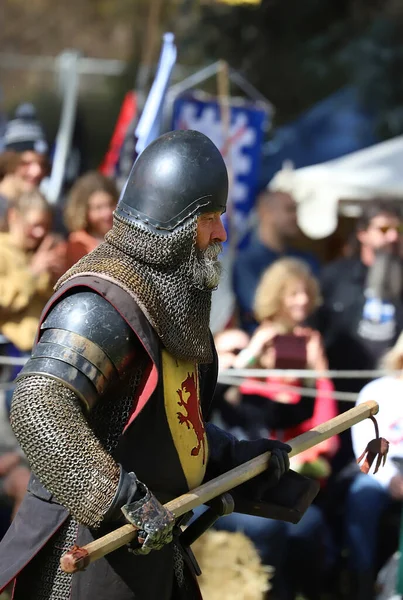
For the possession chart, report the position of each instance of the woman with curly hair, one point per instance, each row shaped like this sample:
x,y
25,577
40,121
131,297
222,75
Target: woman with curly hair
x,y
89,213
286,297
277,407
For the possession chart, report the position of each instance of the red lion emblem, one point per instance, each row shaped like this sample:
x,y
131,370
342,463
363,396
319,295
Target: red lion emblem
x,y
193,417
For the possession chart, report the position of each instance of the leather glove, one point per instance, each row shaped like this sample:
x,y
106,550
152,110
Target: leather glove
x,y
279,464
227,452
141,508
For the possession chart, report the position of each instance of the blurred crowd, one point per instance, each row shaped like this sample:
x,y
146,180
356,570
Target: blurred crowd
x,y
38,243
292,313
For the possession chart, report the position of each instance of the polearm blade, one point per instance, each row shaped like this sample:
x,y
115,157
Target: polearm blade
x,y
78,558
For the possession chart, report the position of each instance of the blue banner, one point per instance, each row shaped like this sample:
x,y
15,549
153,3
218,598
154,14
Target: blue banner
x,y
241,148
150,124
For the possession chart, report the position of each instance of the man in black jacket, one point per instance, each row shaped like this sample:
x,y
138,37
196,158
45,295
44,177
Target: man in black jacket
x,y
362,311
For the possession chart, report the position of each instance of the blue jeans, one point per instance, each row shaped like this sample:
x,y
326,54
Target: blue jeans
x,y
272,538
366,501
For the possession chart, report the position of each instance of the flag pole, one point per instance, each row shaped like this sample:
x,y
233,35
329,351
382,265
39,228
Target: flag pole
x,y
223,87
149,46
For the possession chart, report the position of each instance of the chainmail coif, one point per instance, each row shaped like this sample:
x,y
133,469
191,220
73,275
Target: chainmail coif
x,y
156,270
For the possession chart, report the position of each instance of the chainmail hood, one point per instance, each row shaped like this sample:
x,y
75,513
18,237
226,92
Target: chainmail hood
x,y
156,269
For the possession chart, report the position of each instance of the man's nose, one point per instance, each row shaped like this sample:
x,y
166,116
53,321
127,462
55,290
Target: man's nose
x,y
302,299
392,235
38,232
35,169
219,233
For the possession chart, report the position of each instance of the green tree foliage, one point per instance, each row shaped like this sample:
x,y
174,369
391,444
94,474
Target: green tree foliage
x,y
375,64
297,52
287,48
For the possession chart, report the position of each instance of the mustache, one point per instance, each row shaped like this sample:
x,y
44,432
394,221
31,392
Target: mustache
x,y
207,267
212,251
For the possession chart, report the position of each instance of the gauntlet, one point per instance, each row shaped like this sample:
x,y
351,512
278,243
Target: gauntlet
x,y
154,522
134,501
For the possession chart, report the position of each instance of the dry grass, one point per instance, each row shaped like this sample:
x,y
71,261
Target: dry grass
x,y
231,567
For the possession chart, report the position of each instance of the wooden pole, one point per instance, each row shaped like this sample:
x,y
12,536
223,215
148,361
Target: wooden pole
x,y
223,87
79,558
224,101
149,45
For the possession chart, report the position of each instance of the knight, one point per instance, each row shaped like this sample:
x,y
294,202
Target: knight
x,y
112,408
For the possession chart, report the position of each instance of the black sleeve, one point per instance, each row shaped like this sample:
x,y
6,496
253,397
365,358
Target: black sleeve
x,y
227,452
321,319
282,416
221,450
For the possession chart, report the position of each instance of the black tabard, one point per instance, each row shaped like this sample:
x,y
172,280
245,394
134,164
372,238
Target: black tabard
x,y
146,447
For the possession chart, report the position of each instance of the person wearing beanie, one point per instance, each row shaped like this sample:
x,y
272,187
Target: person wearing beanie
x,y
24,134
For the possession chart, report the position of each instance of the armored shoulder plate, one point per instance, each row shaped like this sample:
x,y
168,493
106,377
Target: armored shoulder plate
x,y
84,343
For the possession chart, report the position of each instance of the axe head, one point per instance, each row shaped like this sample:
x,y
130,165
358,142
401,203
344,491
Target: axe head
x,y
287,501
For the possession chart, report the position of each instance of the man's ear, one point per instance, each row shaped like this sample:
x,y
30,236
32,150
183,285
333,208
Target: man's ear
x,y
262,210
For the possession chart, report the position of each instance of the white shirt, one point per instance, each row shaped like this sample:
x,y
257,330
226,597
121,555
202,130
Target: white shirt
x,y
388,393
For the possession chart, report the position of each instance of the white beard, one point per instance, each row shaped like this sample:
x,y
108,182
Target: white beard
x,y
207,267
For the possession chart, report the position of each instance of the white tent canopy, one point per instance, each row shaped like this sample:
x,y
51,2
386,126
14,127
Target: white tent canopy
x,y
377,170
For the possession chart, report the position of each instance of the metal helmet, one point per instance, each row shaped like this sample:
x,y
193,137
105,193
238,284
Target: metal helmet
x,y
178,176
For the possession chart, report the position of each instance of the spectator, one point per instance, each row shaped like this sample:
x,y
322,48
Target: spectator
x,y
285,298
370,495
89,214
14,472
25,135
11,185
277,228
31,259
229,344
362,311
243,420
9,162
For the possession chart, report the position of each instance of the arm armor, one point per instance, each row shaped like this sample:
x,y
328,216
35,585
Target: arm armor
x,y
85,344
63,451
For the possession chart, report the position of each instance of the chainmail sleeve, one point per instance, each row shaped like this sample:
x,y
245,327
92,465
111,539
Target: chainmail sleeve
x,y
62,449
